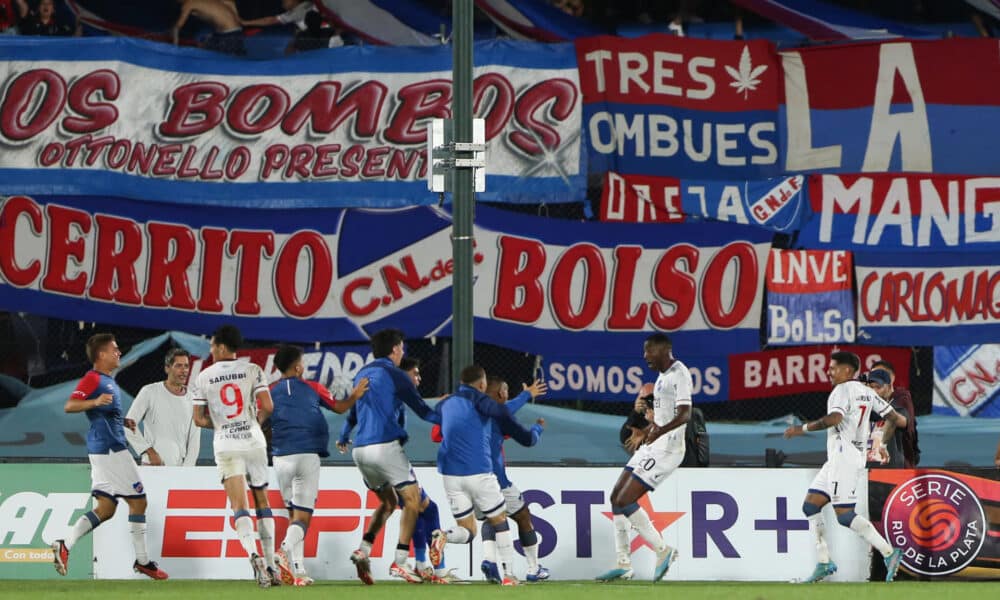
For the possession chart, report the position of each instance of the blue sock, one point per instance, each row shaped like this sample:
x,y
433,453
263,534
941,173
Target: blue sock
x,y
420,535
430,519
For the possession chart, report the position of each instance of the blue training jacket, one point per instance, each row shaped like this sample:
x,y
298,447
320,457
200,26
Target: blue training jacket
x,y
378,410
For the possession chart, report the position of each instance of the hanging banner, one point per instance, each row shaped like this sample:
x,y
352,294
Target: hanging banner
x,y
904,212
967,380
774,204
923,299
802,369
809,298
344,127
335,274
666,104
945,522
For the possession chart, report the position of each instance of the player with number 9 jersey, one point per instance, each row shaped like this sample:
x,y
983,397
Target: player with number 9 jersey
x,y
228,389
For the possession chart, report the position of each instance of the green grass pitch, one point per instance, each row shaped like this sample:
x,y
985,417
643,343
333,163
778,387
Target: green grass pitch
x,y
552,590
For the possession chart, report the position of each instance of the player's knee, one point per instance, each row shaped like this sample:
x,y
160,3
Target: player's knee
x,y
846,518
501,526
811,509
489,532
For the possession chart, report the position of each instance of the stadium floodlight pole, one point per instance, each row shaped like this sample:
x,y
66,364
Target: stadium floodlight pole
x,y
463,200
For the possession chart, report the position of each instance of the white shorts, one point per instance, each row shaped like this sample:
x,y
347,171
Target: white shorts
x,y
512,498
838,480
115,475
298,480
474,492
652,465
384,464
250,463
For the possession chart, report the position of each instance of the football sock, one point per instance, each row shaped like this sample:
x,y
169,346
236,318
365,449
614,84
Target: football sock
x,y
83,526
622,527
505,548
489,542
866,530
293,536
137,528
420,534
298,557
366,547
529,543
402,553
244,531
640,520
265,528
819,532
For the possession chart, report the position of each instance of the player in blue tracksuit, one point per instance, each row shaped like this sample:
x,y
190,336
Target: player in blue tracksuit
x,y
466,465
300,437
113,472
497,389
379,454
428,519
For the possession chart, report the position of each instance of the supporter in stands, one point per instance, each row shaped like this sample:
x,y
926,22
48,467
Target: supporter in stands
x,y
295,14
11,13
222,16
886,449
316,35
661,452
901,399
44,21
113,473
301,437
169,436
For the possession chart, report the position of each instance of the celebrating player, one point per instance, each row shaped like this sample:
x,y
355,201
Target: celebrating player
x,y
848,409
169,436
465,462
300,437
113,473
659,455
232,396
378,450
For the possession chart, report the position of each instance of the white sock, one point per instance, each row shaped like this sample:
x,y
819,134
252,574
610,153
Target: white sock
x,y
505,552
866,530
490,550
819,532
293,536
531,555
459,535
265,528
622,549
366,548
640,520
82,527
298,557
401,556
138,530
244,531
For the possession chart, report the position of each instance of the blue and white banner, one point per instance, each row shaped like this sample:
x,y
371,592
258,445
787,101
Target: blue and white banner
x,y
826,22
386,22
914,299
333,274
536,20
809,298
967,380
343,127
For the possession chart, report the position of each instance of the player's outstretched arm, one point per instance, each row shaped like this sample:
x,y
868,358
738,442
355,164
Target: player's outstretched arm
x,y
508,425
825,422
407,392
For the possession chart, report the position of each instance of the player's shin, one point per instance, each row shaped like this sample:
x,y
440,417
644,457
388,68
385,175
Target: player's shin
x,y
640,520
818,527
505,548
244,531
84,525
294,535
265,527
137,529
529,543
867,531
489,542
622,527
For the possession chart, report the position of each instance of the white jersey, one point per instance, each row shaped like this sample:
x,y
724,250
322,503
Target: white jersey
x,y
229,389
856,401
165,419
673,389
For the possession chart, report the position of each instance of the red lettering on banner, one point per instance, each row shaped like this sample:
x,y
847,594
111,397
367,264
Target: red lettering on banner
x,y
982,379
954,296
166,271
622,317
638,199
497,88
64,244
194,109
324,111
249,246
13,209
245,116
21,117
520,293
119,244
94,115
560,95
418,101
213,245
319,278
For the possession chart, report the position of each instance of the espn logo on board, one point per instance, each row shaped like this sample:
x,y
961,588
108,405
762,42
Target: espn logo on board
x,y
199,523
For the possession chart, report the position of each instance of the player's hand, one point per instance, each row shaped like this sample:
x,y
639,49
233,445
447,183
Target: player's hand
x,y
154,458
640,405
104,400
540,422
130,424
635,440
343,446
360,389
793,431
536,389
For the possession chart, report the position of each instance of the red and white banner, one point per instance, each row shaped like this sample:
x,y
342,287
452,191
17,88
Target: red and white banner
x,y
802,369
727,523
809,297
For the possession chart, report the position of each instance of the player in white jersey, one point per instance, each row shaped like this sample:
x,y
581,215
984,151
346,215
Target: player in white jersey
x,y
232,397
659,455
168,436
849,409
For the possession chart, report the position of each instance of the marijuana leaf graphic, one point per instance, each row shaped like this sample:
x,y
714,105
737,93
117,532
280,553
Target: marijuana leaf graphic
x,y
746,79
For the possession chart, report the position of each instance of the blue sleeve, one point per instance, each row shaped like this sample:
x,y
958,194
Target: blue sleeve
x,y
518,402
349,423
508,426
407,392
